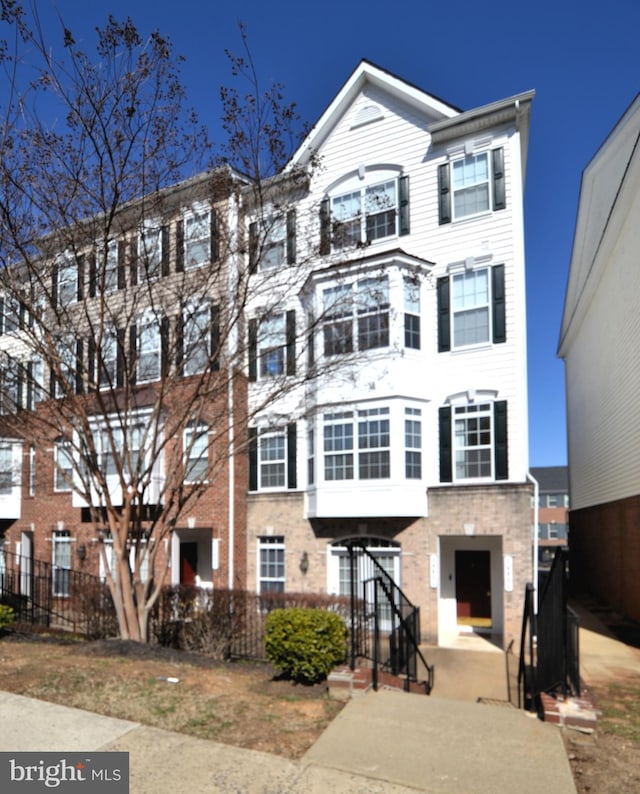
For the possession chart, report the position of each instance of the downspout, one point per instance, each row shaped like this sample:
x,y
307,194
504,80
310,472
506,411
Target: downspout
x,y
232,487
536,514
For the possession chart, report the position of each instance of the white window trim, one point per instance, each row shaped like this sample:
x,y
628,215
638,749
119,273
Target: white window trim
x,y
144,271
195,211
188,446
366,177
278,543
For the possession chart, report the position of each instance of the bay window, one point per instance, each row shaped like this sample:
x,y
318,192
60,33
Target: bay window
x,y
365,303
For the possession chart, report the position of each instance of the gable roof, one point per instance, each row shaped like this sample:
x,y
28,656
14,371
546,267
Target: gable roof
x,y
444,121
368,73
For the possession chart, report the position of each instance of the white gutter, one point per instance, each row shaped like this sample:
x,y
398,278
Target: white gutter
x,y
536,515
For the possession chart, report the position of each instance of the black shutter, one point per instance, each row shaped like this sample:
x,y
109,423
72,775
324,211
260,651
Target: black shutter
x,y
325,227
1,316
120,357
403,190
311,352
91,364
500,445
133,352
164,244
446,459
291,342
253,459
164,347
215,338
291,237
253,350
253,247
19,386
180,344
122,260
499,304
30,387
79,373
499,195
444,194
92,275
215,236
292,467
444,320
179,247
80,277
54,285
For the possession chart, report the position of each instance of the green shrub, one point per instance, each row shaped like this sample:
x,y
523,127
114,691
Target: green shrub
x,y
6,616
305,644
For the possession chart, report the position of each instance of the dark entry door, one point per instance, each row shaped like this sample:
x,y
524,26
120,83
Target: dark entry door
x,y
188,563
473,587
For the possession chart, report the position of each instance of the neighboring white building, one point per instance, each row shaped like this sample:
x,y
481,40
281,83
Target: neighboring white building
x,y
402,263
599,344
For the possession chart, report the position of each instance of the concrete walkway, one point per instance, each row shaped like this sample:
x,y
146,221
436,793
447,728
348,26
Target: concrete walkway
x,y
384,741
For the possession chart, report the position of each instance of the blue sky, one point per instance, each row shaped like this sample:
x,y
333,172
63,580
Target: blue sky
x,y
581,57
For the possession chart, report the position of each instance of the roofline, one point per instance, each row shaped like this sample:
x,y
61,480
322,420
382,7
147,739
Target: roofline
x,y
366,71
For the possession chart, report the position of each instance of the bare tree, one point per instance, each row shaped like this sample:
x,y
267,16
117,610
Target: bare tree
x,y
145,283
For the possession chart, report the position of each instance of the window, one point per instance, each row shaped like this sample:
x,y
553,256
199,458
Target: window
x,y
196,339
65,377
197,239
11,378
118,451
471,308
338,446
366,302
108,365
6,469
65,282
412,444
32,471
111,560
274,249
387,556
63,475
411,313
367,213
272,346
149,252
365,431
470,178
471,185
373,444
149,350
35,383
311,458
107,281
271,571
472,441
10,314
273,458
61,559
196,454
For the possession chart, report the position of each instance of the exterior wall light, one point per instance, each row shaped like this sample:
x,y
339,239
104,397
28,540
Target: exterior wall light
x,y
304,563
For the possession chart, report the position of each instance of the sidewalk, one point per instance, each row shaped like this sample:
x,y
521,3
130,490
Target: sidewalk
x,y
383,742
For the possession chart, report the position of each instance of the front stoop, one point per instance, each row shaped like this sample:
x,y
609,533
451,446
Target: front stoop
x,y
345,683
577,713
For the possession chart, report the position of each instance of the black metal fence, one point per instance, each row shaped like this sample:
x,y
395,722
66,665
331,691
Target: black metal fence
x,y
549,648
49,596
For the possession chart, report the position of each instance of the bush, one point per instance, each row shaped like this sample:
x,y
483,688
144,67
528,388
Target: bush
x,y
305,644
6,616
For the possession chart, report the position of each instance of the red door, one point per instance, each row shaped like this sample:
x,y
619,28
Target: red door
x,y
473,588
188,563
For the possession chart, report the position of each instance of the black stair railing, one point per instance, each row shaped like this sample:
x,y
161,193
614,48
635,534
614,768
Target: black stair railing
x,y
549,648
385,625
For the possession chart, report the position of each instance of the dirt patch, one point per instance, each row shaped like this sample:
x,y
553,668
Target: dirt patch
x,y
241,703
